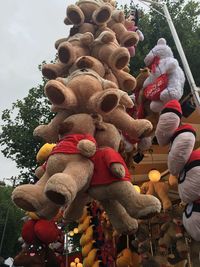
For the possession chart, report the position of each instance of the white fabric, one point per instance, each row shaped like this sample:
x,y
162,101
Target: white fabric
x,y
169,65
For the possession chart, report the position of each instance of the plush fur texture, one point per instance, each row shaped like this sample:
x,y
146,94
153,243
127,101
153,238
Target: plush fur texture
x,y
61,180
167,64
160,190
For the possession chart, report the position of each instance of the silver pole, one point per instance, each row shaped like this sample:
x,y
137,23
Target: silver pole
x,y
194,89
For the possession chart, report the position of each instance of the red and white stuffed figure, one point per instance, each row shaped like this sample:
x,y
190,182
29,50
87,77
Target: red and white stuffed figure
x,y
189,179
182,145
166,80
168,122
191,219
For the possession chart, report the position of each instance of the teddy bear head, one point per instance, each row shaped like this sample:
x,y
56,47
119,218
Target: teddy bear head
x,y
80,124
108,136
160,50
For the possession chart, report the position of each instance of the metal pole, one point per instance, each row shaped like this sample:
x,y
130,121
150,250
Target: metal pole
x,y
4,230
194,89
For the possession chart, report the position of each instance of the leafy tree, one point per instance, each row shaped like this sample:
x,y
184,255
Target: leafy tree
x,y
17,131
10,223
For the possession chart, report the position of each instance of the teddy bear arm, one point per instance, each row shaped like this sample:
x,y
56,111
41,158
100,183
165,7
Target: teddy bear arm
x,y
116,212
49,132
117,170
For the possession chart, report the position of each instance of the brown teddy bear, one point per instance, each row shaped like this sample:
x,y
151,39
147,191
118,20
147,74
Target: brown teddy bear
x,y
117,25
160,190
111,183
69,49
96,12
84,91
106,48
122,201
67,170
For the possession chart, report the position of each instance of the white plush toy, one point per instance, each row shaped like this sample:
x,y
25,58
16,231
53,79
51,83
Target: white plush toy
x,y
166,80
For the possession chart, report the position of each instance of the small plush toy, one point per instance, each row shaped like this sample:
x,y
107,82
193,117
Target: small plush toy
x,y
166,80
67,170
131,25
169,121
160,190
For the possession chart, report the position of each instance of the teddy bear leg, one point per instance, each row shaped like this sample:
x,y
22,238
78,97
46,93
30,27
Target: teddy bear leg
x,y
75,15
108,100
60,95
52,71
126,81
31,197
123,121
49,210
66,53
101,15
120,220
63,187
50,132
75,210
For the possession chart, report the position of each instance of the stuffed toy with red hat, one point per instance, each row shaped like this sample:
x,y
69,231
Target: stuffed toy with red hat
x,y
169,121
189,191
181,146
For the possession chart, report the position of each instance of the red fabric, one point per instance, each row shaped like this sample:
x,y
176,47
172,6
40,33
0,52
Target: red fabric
x,y
184,127
129,139
153,90
154,64
197,201
140,111
173,104
28,233
68,144
46,231
195,155
102,160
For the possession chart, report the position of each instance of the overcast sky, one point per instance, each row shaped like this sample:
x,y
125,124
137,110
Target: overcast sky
x,y
28,30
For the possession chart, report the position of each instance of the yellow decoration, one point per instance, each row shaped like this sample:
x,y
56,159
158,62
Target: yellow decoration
x,y
72,264
32,215
154,175
44,152
137,188
79,265
77,260
71,233
75,230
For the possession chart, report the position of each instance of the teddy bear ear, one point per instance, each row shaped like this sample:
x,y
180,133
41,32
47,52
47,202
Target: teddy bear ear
x,y
65,127
161,41
98,121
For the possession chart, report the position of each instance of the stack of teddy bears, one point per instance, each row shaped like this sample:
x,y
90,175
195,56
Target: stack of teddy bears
x,y
183,162
87,88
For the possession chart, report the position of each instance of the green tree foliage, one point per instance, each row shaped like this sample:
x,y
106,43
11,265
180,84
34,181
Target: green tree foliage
x,y
12,225
17,132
